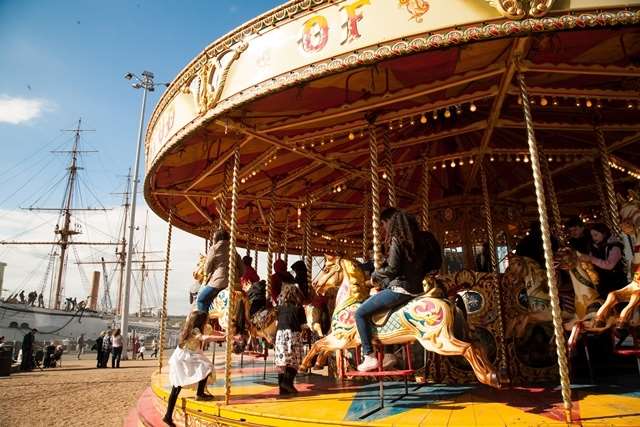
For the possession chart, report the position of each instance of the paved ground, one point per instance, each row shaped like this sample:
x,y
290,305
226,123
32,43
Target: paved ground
x,y
77,394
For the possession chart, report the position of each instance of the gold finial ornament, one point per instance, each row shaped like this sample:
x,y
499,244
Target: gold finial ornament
x,y
517,9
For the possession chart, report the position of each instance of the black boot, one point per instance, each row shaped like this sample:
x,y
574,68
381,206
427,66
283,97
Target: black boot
x,y
289,378
201,394
281,384
171,404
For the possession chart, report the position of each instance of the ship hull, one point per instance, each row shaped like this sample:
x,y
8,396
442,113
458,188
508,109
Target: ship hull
x,y
17,319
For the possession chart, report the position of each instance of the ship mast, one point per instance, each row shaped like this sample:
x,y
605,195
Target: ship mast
x,y
122,253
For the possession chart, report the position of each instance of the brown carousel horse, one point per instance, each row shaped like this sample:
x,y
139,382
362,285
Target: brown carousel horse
x,y
630,223
428,320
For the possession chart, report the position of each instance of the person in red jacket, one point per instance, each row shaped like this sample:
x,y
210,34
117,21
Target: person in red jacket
x,y
250,276
280,276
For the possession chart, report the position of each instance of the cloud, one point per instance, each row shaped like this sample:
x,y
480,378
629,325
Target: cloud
x,y
16,110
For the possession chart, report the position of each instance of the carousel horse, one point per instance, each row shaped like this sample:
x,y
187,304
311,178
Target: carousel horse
x,y
630,224
526,271
428,320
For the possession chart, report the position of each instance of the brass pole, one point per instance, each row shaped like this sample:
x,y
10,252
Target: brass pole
x,y
392,200
165,286
548,254
222,206
553,199
375,196
232,275
497,293
308,260
285,248
426,185
610,191
365,226
603,200
271,221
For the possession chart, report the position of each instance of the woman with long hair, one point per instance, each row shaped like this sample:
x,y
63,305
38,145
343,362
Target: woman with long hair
x,y
399,281
288,346
606,257
188,364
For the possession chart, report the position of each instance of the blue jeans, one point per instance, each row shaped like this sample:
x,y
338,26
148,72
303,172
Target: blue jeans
x,y
384,299
206,296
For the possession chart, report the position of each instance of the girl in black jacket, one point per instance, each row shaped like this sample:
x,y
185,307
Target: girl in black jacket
x,y
288,347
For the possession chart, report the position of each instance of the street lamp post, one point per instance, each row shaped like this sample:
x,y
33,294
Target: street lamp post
x,y
147,85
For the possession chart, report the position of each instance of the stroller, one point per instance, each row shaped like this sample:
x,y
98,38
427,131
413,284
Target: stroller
x,y
53,356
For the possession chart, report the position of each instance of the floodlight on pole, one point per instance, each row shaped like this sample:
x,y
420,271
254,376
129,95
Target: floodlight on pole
x,y
146,83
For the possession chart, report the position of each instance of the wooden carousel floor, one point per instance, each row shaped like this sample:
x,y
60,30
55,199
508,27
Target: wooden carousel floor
x,y
323,402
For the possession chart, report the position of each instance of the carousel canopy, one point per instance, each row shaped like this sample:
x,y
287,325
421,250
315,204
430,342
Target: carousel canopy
x,y
301,89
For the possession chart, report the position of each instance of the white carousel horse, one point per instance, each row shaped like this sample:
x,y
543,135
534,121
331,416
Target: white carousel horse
x,y
425,319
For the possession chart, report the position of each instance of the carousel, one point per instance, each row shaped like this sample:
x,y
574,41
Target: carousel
x,y
490,121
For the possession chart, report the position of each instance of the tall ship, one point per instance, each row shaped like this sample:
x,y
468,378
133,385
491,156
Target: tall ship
x,y
55,314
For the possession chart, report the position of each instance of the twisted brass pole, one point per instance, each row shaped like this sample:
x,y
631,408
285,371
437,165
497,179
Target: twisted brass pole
x,y
271,225
250,235
375,196
497,292
222,206
610,192
424,196
285,248
388,169
165,286
308,260
232,277
365,226
603,200
548,254
553,199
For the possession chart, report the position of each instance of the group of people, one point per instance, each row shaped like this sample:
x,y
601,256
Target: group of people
x,y
411,254
31,299
108,343
595,243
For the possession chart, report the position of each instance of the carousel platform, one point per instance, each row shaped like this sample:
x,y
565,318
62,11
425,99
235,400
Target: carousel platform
x,y
325,402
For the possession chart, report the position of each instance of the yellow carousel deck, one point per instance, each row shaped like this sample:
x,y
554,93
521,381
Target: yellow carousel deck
x,y
325,402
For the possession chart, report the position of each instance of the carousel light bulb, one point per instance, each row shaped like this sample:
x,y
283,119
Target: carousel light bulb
x,y
390,126
492,159
526,159
361,133
322,142
517,158
435,167
555,102
243,180
589,104
532,101
471,161
519,100
435,115
630,105
599,103
453,164
423,119
461,162
313,144
331,140
254,173
351,136
578,104
447,113
550,158
509,158
458,109
544,101
412,122
444,165
472,107
384,175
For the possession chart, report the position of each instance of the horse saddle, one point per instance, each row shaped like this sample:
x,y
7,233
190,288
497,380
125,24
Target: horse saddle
x,y
380,318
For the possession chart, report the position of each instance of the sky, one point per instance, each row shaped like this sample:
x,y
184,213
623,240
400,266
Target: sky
x,y
63,61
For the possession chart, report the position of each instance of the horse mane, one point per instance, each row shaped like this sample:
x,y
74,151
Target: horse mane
x,y
358,288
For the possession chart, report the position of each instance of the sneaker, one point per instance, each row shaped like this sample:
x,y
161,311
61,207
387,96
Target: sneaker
x,y
369,364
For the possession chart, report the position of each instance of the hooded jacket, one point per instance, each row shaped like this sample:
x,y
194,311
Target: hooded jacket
x,y
217,265
280,276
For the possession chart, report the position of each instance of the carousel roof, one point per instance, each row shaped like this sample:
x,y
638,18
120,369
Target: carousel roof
x,y
445,108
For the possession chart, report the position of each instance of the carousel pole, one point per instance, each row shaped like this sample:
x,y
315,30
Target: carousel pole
x,y
222,206
308,259
165,286
610,192
497,294
548,254
553,199
285,248
375,194
365,227
271,220
601,196
250,236
389,174
424,196
233,222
